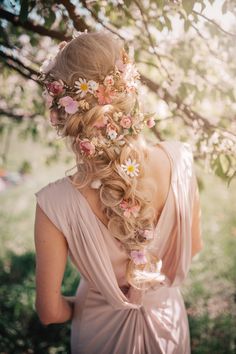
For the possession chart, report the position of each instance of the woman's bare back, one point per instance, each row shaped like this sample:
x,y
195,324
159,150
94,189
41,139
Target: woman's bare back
x,y
159,167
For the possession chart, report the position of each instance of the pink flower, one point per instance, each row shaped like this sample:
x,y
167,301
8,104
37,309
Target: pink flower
x,y
53,117
129,209
48,98
138,257
132,86
120,65
101,122
147,234
108,81
55,88
126,121
130,73
150,122
104,94
86,147
69,104
47,65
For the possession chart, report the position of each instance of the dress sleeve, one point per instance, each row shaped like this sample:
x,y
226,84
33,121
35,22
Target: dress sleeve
x,y
51,201
196,232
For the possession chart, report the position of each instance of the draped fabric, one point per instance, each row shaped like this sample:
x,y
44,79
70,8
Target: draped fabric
x,y
105,321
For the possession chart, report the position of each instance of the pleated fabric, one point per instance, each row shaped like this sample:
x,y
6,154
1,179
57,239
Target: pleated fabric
x,y
105,321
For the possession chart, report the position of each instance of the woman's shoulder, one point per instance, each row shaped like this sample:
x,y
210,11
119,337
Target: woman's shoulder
x,y
180,155
53,190
178,145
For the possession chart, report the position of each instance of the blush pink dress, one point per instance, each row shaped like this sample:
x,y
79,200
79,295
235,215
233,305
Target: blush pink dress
x,y
105,320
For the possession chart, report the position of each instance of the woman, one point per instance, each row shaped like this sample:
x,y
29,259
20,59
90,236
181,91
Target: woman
x,y
128,217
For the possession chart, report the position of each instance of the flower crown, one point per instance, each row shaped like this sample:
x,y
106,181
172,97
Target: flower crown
x,y
110,130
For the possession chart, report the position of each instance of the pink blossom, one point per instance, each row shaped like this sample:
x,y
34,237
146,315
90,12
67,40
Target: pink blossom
x,y
147,234
104,94
101,122
130,73
132,86
87,147
129,209
120,65
48,98
70,105
47,65
53,117
108,81
55,88
126,121
150,122
138,257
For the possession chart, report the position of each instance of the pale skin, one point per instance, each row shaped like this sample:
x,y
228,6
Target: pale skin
x,y
51,252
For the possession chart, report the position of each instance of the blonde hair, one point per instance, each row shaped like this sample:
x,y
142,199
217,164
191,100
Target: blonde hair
x,y
92,56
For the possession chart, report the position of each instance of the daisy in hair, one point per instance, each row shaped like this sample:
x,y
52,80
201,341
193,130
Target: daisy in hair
x,y
83,87
130,167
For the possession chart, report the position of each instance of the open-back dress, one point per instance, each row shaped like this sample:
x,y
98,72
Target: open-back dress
x,y
105,321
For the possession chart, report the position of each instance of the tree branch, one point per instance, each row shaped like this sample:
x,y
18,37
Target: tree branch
x,y
97,19
145,22
183,107
12,65
15,116
78,21
214,23
18,62
28,25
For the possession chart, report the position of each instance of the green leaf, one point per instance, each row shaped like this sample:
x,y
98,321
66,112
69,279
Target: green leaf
x,y
128,3
187,24
182,91
219,169
24,10
159,26
231,178
160,4
224,8
188,5
221,166
168,23
50,19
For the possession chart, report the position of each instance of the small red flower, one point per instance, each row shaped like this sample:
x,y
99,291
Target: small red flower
x,y
86,147
55,88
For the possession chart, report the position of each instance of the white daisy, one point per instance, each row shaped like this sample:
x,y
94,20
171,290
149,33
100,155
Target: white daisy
x,y
93,86
112,134
131,167
82,87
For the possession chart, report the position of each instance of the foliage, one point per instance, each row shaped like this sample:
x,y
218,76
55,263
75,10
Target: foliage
x,y
20,328
171,41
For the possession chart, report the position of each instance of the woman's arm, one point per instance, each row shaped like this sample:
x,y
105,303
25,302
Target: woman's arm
x,y
51,256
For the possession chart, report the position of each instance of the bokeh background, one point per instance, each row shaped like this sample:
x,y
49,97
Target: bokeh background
x,y
185,51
